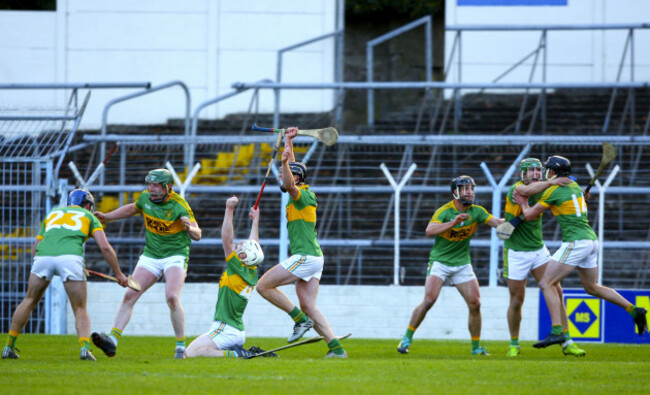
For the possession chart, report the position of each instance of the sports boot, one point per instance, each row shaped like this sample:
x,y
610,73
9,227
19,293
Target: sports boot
x,y
641,320
104,343
513,351
480,351
179,352
9,353
550,340
573,349
86,355
299,329
403,346
242,352
330,354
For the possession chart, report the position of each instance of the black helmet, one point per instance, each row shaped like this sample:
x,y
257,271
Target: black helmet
x,y
81,197
299,169
560,165
465,200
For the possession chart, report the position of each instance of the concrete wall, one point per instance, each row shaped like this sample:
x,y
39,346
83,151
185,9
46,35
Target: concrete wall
x,y
573,56
366,311
207,44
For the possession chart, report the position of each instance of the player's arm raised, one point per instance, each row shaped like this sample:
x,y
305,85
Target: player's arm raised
x,y
227,232
255,217
288,142
435,228
288,181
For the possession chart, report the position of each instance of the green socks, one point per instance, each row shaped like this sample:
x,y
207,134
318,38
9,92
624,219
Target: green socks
x,y
336,347
557,329
297,315
514,342
84,343
180,342
631,310
475,344
115,335
409,333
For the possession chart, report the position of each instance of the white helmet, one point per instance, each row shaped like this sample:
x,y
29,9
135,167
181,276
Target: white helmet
x,y
253,251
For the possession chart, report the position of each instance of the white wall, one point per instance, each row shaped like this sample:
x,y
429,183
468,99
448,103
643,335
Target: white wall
x,y
207,44
573,56
366,311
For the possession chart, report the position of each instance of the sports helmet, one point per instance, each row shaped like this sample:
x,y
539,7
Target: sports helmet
x,y
529,163
457,183
81,197
253,251
299,169
560,165
162,177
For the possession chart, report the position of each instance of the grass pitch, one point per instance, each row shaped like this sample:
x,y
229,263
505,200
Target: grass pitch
x,y
50,364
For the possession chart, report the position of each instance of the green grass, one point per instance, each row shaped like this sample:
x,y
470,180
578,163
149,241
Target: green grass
x,y
49,364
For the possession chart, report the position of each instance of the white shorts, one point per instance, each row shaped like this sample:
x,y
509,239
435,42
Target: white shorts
x,y
68,267
455,274
304,267
226,337
580,253
518,264
159,266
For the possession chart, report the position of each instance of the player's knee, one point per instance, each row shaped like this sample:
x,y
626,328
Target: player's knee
x,y
591,288
428,303
474,304
516,302
173,301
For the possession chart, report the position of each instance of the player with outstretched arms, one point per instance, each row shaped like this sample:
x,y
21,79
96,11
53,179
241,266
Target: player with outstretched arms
x,y
59,250
524,252
226,336
453,225
169,228
579,247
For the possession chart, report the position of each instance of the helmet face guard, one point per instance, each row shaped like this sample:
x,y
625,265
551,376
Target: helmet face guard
x,y
462,189
81,197
560,165
162,177
297,169
253,254
527,164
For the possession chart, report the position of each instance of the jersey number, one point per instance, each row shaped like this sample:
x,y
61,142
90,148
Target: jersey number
x,y
579,209
58,219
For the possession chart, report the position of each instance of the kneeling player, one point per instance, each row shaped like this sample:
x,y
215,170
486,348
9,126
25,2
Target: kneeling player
x,y
226,335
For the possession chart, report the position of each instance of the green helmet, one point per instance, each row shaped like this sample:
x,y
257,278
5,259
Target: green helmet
x,y
162,177
529,163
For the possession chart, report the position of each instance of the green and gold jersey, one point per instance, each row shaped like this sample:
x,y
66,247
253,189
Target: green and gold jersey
x,y
452,247
165,234
65,230
301,223
569,207
235,290
528,234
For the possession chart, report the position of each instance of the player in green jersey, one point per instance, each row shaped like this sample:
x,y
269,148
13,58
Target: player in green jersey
x,y
524,252
59,250
453,225
305,266
226,335
169,228
579,248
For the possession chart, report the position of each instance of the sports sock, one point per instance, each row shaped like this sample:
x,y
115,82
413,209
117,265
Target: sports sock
x,y
336,347
631,310
514,342
11,339
556,330
475,342
568,340
115,335
409,332
84,342
180,341
229,354
298,316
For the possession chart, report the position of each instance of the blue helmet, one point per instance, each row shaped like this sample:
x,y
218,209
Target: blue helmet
x,y
81,197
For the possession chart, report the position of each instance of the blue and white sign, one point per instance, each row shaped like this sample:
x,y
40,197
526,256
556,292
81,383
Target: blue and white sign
x,y
595,320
